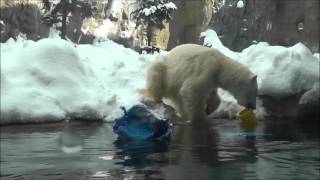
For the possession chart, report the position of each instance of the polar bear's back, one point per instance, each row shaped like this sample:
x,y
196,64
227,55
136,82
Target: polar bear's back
x,y
190,61
193,56
190,51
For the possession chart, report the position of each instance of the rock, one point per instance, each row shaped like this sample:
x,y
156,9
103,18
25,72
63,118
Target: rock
x,y
282,23
136,34
309,105
160,37
185,27
291,108
311,97
191,18
24,18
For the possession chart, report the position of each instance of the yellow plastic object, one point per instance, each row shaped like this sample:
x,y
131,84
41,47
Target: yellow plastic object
x,y
249,121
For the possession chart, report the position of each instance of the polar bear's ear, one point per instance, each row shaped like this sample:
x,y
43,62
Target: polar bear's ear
x,y
253,77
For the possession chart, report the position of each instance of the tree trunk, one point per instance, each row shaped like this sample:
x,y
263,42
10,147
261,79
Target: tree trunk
x,y
64,22
149,34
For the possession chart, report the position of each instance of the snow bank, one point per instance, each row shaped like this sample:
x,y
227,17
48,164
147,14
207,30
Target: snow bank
x,y
282,71
52,80
44,80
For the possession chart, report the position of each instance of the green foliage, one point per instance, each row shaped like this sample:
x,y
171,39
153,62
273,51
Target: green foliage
x,y
154,12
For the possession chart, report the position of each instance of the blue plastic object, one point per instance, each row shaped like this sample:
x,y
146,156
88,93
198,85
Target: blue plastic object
x,y
140,123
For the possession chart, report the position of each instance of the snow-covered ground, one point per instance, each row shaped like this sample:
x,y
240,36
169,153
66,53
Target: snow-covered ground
x,y
53,80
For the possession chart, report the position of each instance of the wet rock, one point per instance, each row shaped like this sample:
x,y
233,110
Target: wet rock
x,y
291,107
309,106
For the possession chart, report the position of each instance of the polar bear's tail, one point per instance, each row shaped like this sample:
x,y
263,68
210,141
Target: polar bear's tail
x,y
156,80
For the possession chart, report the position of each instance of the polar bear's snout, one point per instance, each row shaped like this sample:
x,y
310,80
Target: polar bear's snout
x,y
251,106
249,103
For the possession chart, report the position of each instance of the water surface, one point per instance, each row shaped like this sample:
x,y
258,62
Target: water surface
x,y
79,150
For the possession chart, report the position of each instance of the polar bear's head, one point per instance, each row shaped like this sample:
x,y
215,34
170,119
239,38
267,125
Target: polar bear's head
x,y
246,92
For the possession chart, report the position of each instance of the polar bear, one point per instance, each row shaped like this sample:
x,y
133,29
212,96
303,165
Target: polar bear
x,y
189,77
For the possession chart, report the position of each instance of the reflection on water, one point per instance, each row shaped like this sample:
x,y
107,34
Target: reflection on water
x,y
69,141
81,150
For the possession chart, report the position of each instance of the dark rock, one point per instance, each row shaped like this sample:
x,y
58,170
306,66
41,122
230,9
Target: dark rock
x,y
190,19
284,23
28,19
24,18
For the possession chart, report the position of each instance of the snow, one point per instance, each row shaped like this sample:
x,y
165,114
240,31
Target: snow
x,y
240,4
104,29
300,26
116,6
54,80
244,29
54,1
282,71
33,86
211,38
129,30
150,10
170,5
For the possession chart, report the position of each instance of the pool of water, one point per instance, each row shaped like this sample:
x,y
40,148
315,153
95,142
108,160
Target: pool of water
x,y
80,150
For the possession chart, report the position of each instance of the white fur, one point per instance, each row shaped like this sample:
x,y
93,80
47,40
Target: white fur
x,y
190,75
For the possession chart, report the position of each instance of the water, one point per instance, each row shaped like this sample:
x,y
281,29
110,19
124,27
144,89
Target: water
x,y
79,150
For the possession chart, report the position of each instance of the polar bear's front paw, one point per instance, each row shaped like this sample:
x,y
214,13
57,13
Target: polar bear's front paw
x,y
148,101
